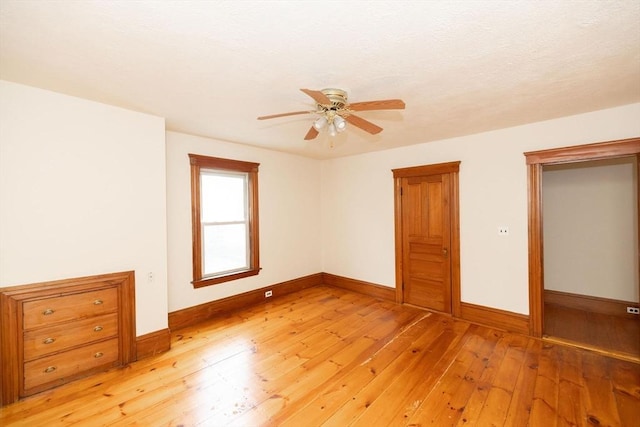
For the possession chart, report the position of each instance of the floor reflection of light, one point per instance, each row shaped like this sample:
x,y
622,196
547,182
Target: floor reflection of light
x,y
225,383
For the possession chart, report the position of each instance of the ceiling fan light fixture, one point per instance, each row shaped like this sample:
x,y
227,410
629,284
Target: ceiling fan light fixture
x,y
320,123
340,123
332,130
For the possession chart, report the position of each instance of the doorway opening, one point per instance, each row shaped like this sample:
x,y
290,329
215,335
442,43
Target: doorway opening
x,y
585,274
590,238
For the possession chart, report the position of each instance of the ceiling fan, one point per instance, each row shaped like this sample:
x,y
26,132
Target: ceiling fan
x,y
335,112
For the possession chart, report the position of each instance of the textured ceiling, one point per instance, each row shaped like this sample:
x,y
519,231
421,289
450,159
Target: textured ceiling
x,y
211,67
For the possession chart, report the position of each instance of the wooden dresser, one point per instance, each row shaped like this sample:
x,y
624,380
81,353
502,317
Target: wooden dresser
x,y
54,332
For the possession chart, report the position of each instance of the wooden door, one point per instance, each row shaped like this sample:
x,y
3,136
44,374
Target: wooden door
x,y
426,238
427,231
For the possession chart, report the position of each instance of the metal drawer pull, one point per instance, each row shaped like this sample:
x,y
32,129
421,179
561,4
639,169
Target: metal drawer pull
x,y
49,369
97,302
98,354
48,311
97,329
49,341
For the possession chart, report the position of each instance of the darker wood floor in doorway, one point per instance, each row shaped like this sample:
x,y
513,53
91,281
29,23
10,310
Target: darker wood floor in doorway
x,y
615,334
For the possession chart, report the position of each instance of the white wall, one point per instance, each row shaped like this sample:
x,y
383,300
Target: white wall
x,y
84,189
591,228
82,192
357,203
289,209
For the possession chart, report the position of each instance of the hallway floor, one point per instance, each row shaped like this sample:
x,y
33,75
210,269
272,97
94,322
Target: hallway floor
x,y
616,334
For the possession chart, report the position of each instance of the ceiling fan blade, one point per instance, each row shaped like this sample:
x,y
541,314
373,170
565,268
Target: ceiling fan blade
x,y
318,96
363,124
311,134
383,104
293,113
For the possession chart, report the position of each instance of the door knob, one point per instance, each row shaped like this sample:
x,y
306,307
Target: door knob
x,y
445,251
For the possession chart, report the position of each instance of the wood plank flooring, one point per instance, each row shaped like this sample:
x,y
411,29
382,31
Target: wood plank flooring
x,y
328,357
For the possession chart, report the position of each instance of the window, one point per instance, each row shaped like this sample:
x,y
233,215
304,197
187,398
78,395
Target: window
x,y
224,212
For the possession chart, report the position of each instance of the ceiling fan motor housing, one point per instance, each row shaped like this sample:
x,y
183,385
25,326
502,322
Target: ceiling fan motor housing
x,y
338,98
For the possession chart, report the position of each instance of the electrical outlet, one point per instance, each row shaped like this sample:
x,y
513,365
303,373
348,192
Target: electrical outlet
x,y
150,276
633,310
268,294
503,231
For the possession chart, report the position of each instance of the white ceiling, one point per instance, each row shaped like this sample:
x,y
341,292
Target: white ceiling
x,y
211,67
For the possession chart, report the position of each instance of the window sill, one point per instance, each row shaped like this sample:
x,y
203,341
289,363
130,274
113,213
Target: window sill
x,y
209,281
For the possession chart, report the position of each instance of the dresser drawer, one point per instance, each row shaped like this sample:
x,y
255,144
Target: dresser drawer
x,y
47,311
43,341
60,367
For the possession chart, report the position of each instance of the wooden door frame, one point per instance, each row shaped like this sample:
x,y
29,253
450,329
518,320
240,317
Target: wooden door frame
x,y
451,168
535,162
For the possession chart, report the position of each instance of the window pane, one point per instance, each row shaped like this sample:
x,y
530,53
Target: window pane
x,y
224,248
223,197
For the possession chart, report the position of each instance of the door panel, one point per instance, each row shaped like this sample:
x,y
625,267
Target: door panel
x,y
426,242
426,293
435,218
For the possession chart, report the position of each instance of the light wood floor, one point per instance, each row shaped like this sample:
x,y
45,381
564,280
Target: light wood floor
x,y
616,334
324,356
